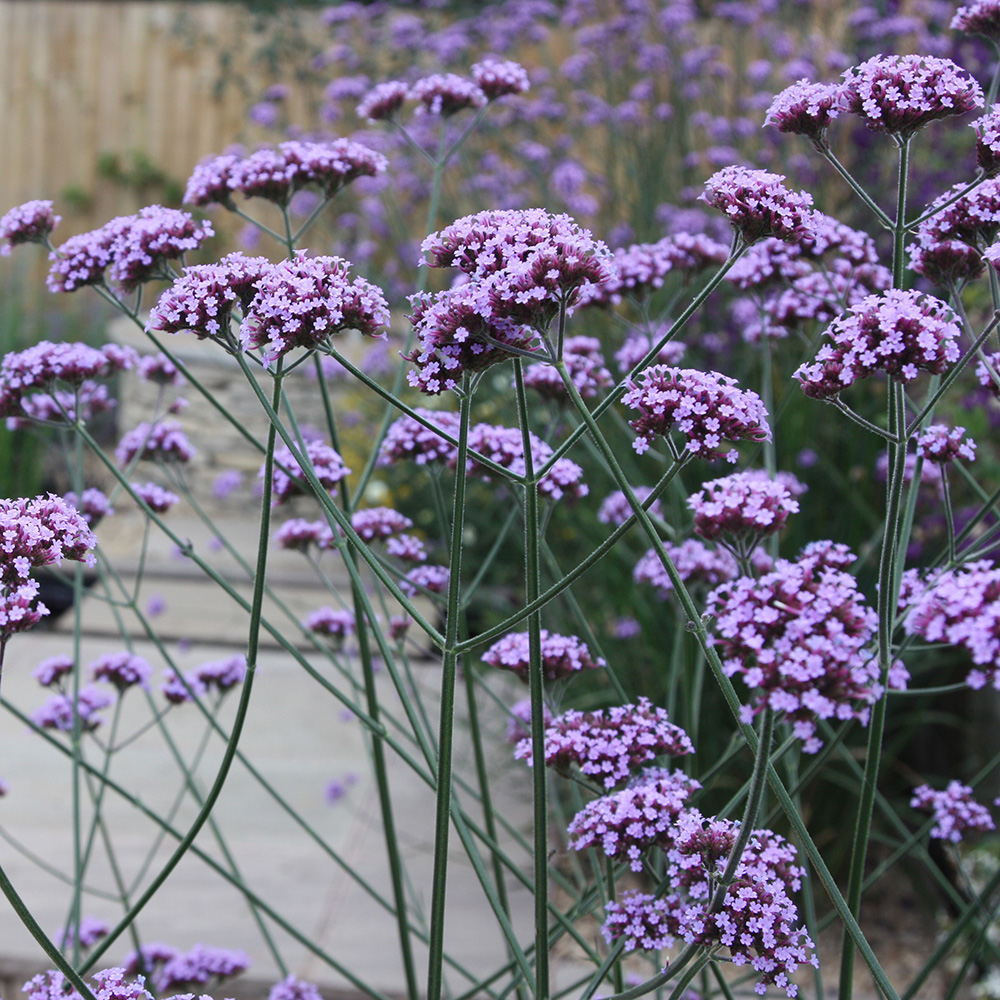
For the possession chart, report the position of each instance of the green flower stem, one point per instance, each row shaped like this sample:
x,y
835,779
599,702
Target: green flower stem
x,y
829,156
536,686
253,645
447,720
26,918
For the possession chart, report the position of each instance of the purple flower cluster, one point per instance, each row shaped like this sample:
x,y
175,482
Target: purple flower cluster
x,y
697,564
627,823
109,984
303,301
293,988
445,94
757,204
58,712
615,508
92,929
202,299
798,636
705,406
35,532
299,534
745,503
637,345
155,497
562,655
609,744
757,917
987,130
955,810
135,247
330,622
28,223
379,522
585,364
170,970
898,332
979,18
425,579
901,94
163,441
805,108
962,607
499,77
383,101
326,463
408,439
92,504
52,670
42,366
941,444
277,174
123,670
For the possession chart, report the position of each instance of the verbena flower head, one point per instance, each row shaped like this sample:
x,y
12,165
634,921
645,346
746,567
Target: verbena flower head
x,y
200,965
58,713
609,744
805,108
222,675
900,333
28,223
637,345
383,101
745,503
757,204
303,301
202,300
988,141
615,508
145,241
505,447
123,670
333,623
979,18
408,439
164,441
209,181
81,260
457,332
941,444
293,988
92,929
446,94
699,566
962,607
627,823
178,690
985,376
159,369
46,365
562,655
326,462
108,984
901,94
155,497
500,77
799,638
955,810
379,522
300,535
425,579
706,407
585,363
52,670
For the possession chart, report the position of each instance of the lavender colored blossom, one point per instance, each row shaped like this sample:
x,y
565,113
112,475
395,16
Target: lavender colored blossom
x,y
955,811
988,141
149,956
609,744
299,534
201,301
155,497
159,369
962,607
408,439
81,260
108,984
698,565
209,182
519,723
92,504
123,670
615,508
627,823
941,444
383,101
505,447
799,638
585,364
226,483
446,94
561,655
379,522
46,363
500,77
805,108
293,988
985,368
979,18
52,670
757,204
407,548
303,301
58,712
327,465
744,503
705,406
637,345
178,690
147,240
336,789
28,223
200,965
222,675
330,622
164,441
897,332
901,94
4,788
92,929
62,406
429,579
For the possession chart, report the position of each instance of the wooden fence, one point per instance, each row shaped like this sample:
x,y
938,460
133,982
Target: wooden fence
x,y
84,78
